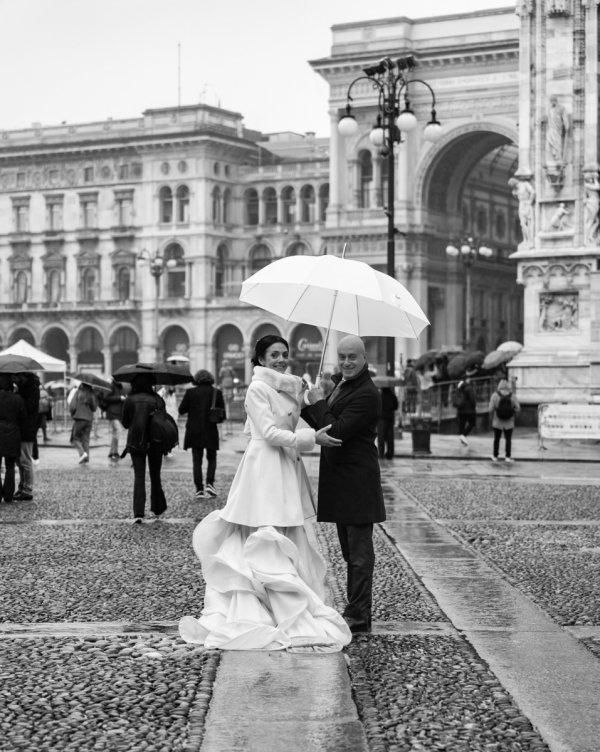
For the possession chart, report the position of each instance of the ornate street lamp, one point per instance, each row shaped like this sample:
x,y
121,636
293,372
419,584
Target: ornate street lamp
x,y
389,78
156,264
468,250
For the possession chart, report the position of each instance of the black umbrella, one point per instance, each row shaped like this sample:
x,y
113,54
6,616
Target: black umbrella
x,y
91,379
163,373
18,364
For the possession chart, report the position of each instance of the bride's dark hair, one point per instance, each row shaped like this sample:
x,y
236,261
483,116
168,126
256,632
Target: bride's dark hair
x,y
263,344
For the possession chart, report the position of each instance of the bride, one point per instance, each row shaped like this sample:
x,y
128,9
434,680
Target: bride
x,y
264,581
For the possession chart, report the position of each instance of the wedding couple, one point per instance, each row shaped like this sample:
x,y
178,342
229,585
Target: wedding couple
x,y
265,583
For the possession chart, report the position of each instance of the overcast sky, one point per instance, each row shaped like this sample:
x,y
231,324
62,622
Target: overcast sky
x,y
85,60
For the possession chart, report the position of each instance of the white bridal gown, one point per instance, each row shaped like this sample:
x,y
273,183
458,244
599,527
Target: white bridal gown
x,y
264,581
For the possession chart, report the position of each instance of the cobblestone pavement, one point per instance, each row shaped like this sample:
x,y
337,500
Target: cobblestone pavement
x,y
90,658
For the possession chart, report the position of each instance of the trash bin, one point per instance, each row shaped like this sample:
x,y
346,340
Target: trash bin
x,y
421,435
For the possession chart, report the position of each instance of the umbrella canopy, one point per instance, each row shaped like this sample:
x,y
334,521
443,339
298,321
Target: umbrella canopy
x,y
495,359
19,364
511,346
163,373
461,363
337,293
426,359
91,379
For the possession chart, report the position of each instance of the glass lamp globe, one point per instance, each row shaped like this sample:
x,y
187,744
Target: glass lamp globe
x,y
347,126
465,249
171,263
452,250
485,251
377,136
432,132
406,121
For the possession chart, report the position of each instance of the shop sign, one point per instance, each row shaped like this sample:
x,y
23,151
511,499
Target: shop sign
x,y
564,421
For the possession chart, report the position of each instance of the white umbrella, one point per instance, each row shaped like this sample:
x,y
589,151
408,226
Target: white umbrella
x,y
329,291
336,293
511,346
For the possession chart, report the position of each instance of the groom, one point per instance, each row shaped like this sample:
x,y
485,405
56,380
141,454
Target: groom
x,y
349,480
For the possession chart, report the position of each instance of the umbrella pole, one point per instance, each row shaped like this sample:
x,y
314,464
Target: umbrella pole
x,y
327,333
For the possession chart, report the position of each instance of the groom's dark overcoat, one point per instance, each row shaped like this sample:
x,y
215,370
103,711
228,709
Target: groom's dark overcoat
x,y
349,478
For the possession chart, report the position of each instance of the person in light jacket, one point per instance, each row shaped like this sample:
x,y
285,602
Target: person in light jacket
x,y
264,580
501,424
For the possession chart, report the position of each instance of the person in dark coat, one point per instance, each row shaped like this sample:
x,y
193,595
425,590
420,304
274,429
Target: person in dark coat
x,y
112,404
137,407
465,401
28,386
12,419
385,424
82,407
349,491
200,433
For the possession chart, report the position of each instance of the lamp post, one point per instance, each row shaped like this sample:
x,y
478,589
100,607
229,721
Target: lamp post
x,y
468,250
156,264
388,77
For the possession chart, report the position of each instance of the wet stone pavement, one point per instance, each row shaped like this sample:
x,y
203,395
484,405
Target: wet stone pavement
x,y
486,602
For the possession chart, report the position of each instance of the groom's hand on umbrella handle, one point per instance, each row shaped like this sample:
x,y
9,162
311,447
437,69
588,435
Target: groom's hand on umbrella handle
x,y
324,439
314,394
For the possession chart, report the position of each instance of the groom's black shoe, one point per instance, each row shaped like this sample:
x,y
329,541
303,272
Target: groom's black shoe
x,y
357,626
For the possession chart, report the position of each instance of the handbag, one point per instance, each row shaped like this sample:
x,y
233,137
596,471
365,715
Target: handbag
x,y
215,414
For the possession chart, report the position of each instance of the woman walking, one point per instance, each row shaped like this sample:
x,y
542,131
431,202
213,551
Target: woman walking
x,y
137,409
83,405
503,408
264,581
200,434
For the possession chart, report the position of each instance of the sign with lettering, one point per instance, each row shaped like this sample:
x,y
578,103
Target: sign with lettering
x,y
564,421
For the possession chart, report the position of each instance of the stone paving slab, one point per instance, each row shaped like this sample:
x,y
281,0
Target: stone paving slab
x,y
283,702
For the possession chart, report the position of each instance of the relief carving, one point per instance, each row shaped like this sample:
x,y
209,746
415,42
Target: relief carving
x,y
558,312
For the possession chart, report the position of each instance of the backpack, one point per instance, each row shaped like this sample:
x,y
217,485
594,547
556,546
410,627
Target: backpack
x,y
162,430
458,398
505,409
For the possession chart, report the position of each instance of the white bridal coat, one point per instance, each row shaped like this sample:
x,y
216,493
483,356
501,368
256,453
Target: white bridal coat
x,y
264,581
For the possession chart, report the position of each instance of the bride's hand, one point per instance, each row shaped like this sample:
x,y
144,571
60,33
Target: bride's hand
x,y
324,439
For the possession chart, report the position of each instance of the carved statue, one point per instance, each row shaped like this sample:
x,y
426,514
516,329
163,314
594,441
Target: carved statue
x,y
592,208
560,219
524,192
558,129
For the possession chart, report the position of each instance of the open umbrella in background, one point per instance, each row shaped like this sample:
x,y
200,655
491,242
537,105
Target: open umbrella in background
x,y
162,373
19,364
495,359
91,379
510,346
474,358
335,293
459,364
426,359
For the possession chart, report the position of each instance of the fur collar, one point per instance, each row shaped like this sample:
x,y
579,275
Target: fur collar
x,y
281,382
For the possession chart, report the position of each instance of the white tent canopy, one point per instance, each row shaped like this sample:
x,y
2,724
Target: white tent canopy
x,y
22,347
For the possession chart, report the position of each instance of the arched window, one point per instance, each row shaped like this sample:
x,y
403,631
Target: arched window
x,y
288,197
166,204
307,203
53,286
365,167
323,201
183,204
220,262
270,202
21,287
216,204
175,272
260,256
251,207
123,283
226,206
297,249
88,285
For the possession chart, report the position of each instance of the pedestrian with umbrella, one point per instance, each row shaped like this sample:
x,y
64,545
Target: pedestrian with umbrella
x,y
12,421
82,406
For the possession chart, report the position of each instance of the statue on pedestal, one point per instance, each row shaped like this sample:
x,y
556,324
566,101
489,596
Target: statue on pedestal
x,y
558,129
523,191
591,208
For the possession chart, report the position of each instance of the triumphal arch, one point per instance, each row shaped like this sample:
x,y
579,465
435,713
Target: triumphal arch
x,y
516,170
